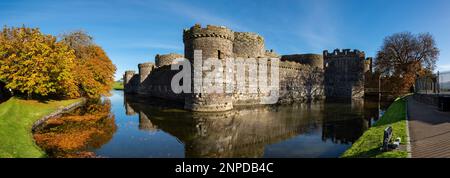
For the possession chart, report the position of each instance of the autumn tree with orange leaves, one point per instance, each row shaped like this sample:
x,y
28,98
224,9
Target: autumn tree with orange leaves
x,y
36,65
405,56
95,70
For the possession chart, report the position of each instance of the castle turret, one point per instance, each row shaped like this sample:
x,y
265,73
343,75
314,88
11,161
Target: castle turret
x,y
130,81
368,65
313,60
214,41
217,43
144,70
167,59
248,45
344,73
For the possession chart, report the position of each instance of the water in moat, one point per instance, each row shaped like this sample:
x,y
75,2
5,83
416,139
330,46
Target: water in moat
x,y
150,128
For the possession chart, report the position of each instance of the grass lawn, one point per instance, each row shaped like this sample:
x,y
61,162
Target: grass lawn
x,y
369,144
118,86
17,116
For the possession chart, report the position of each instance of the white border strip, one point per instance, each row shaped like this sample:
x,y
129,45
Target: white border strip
x,y
408,141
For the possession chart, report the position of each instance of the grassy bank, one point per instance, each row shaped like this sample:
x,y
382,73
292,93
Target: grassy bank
x,y
369,144
17,116
118,86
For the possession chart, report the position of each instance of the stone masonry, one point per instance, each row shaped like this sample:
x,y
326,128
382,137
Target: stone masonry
x,y
303,77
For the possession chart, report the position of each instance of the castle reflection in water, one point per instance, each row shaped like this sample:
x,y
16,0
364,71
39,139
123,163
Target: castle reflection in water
x,y
246,132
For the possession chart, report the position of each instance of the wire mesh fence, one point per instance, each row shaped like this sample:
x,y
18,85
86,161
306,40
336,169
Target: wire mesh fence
x,y
444,82
438,83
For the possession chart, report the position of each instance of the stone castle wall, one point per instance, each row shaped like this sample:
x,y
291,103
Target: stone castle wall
x,y
167,59
314,60
158,84
216,43
300,83
130,81
344,73
303,77
248,45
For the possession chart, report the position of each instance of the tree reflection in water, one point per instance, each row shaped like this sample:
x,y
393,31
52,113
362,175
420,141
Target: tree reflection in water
x,y
75,133
247,131
321,129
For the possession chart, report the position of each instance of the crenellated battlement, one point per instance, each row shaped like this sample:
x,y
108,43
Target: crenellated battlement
x,y
313,60
166,59
271,54
147,64
337,53
210,31
302,77
248,45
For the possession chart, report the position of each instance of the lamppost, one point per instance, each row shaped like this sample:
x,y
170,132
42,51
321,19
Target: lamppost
x,y
379,88
379,96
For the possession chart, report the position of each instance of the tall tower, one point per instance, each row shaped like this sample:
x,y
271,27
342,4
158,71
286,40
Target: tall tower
x,y
214,42
130,81
344,73
144,71
248,45
166,59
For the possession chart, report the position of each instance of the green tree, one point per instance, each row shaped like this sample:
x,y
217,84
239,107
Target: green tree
x,y
35,64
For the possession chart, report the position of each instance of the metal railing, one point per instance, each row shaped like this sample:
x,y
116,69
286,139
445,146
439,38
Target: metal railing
x,y
438,83
444,82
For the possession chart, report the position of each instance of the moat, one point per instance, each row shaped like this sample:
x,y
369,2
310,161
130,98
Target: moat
x,y
138,127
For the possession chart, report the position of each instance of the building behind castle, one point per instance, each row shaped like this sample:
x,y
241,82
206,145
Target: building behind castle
x,y
302,77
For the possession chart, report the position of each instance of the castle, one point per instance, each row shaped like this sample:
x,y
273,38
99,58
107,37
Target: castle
x,y
302,77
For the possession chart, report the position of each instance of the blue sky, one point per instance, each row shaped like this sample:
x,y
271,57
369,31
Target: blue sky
x,y
134,31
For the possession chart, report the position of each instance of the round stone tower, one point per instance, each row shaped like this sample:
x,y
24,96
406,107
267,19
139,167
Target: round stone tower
x,y
216,43
248,45
166,59
127,77
129,84
144,70
368,64
313,60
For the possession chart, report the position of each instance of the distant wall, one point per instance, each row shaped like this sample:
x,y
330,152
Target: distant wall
x,y
300,83
131,82
314,60
158,84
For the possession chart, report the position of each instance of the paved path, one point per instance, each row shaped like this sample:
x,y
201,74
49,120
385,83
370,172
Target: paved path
x,y
429,131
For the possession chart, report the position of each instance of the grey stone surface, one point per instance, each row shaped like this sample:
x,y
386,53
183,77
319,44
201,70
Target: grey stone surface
x,y
303,77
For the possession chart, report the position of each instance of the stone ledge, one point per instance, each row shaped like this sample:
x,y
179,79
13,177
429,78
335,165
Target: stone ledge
x,y
58,112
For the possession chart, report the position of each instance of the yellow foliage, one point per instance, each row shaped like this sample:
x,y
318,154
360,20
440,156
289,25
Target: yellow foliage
x,y
72,134
95,70
36,64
